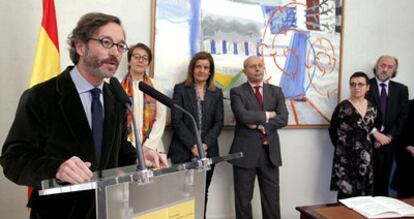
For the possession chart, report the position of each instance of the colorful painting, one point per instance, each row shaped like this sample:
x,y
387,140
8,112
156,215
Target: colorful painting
x,y
299,41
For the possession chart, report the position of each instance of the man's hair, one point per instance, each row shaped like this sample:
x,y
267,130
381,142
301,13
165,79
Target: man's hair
x,y
87,25
386,56
189,81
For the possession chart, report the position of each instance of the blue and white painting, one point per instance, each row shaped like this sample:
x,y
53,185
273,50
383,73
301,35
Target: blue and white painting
x,y
299,42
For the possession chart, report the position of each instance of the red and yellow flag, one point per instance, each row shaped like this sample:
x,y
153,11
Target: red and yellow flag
x,y
47,61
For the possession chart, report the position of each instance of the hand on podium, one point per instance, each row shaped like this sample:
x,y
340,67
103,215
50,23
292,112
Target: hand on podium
x,y
154,159
74,171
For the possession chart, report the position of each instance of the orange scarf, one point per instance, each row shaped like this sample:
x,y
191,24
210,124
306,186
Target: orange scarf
x,y
150,108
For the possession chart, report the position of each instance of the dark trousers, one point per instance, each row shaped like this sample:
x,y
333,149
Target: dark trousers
x,y
383,158
268,177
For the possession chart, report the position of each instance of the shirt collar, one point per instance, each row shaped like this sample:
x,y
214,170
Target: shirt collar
x,y
81,84
380,82
254,85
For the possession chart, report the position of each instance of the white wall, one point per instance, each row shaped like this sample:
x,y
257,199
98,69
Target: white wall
x,y
372,28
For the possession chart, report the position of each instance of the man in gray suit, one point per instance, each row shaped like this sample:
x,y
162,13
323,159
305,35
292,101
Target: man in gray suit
x,y
260,110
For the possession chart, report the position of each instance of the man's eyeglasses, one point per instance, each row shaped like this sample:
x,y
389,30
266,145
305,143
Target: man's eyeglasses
x,y
140,58
352,84
108,43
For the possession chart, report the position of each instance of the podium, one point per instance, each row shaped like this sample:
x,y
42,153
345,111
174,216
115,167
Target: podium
x,y
128,193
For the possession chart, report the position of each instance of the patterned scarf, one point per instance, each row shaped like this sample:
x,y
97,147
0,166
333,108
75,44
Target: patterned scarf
x,y
150,108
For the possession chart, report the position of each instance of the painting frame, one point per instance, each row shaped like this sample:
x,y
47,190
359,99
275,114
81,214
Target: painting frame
x,y
332,93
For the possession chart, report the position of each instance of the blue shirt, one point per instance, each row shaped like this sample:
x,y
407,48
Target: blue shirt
x,y
83,87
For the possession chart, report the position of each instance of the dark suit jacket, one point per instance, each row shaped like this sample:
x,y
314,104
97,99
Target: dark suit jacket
x,y
51,126
246,111
184,135
403,180
397,106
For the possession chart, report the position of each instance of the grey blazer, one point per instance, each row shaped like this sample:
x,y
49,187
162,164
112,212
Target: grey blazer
x,y
246,111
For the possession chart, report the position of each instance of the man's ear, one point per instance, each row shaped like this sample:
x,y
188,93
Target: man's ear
x,y
80,48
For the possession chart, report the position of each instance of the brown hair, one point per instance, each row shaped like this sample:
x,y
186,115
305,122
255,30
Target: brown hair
x,y
141,46
189,81
87,25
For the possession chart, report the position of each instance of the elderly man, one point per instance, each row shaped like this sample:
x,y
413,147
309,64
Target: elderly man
x,y
260,110
392,100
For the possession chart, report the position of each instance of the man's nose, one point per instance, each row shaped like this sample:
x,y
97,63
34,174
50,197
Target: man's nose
x,y
114,50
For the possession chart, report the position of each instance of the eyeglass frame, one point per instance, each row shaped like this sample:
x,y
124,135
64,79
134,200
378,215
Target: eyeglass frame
x,y
121,46
352,84
138,57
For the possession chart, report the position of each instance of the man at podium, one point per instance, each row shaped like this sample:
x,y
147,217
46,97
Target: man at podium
x,y
72,124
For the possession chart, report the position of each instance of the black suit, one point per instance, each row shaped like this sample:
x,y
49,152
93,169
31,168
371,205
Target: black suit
x,y
258,159
403,180
184,137
50,127
396,115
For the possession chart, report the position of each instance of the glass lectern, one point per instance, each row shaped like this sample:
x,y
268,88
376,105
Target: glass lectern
x,y
125,193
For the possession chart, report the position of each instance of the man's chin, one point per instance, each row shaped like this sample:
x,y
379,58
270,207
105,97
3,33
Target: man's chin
x,y
108,73
383,79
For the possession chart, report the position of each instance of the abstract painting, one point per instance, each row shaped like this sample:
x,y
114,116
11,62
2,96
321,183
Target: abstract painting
x,y
299,41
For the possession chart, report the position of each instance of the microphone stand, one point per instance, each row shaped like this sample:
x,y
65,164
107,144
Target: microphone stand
x,y
145,174
203,162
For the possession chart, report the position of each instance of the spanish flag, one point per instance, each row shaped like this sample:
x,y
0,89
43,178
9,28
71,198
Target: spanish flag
x,y
47,61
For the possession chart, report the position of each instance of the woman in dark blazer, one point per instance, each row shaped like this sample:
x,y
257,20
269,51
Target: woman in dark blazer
x,y
199,96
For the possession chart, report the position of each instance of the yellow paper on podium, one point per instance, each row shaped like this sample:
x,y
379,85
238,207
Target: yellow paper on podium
x,y
183,210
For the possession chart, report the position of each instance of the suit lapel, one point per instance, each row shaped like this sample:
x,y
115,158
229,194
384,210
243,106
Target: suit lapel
x,y
74,116
375,91
190,91
391,98
208,96
111,115
265,96
251,96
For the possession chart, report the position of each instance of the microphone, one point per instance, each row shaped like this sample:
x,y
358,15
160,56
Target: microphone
x,y
119,91
124,99
162,98
156,94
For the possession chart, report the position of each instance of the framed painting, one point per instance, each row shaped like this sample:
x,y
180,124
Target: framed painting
x,y
299,41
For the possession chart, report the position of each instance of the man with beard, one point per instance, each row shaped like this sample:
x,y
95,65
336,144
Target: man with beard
x,y
391,99
72,124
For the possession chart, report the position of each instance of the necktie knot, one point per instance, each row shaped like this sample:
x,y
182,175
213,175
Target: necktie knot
x,y
257,88
95,92
383,85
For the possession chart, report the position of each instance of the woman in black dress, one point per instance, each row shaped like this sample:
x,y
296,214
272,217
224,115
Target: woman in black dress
x,y
349,131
